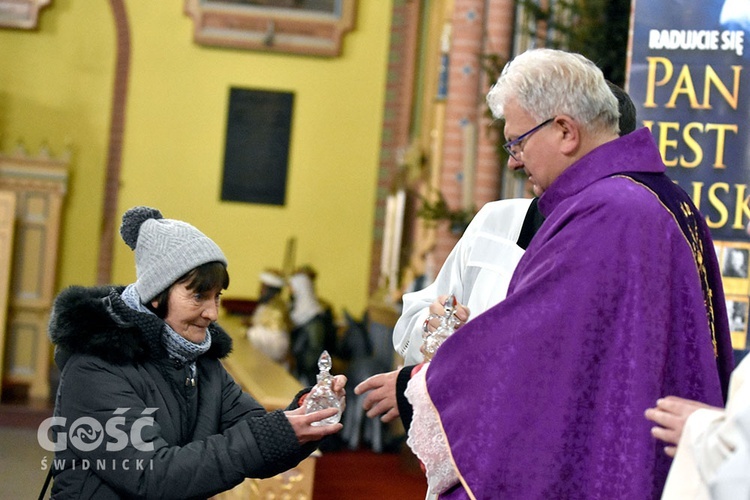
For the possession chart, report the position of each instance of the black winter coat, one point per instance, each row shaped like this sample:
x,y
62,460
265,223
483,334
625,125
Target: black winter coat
x,y
134,424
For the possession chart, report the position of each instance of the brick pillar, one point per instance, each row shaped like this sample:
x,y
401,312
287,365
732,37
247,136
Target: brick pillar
x,y
461,115
478,28
498,41
398,105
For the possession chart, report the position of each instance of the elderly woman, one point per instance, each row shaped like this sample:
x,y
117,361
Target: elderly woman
x,y
145,408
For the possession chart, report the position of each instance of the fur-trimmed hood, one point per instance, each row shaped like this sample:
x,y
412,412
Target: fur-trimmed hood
x,y
97,322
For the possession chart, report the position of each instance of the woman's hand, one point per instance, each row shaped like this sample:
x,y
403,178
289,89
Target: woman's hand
x,y
339,388
670,414
302,422
303,428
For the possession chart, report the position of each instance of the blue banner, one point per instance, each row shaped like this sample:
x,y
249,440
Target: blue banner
x,y
688,77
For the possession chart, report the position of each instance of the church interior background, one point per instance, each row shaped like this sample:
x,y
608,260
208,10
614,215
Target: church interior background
x,y
381,156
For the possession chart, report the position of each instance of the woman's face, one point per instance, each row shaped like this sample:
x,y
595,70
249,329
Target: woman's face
x,y
189,313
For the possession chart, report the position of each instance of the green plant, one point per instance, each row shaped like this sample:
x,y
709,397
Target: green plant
x,y
598,29
439,210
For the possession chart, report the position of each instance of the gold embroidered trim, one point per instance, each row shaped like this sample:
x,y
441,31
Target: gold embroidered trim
x,y
696,246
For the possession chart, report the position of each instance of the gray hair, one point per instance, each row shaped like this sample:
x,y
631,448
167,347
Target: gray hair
x,y
547,82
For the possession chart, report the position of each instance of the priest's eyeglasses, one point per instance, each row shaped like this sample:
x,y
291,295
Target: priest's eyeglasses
x,y
515,147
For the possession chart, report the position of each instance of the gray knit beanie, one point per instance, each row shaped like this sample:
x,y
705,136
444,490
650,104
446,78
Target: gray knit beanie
x,y
165,249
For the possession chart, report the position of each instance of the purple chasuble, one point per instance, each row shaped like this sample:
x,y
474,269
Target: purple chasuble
x,y
543,395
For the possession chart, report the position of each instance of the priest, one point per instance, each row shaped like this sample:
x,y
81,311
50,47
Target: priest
x,y
617,301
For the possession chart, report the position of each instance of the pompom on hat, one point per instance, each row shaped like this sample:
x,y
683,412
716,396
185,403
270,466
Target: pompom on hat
x,y
165,249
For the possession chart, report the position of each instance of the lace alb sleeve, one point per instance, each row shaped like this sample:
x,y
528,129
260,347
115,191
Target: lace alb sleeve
x,y
426,438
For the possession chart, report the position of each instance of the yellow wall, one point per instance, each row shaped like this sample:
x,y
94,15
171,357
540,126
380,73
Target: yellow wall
x,y
56,84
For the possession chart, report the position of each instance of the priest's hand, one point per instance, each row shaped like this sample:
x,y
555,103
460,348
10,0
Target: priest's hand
x,y
381,399
437,310
670,414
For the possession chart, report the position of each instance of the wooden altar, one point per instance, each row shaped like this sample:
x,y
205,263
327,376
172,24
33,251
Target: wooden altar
x,y
7,223
38,186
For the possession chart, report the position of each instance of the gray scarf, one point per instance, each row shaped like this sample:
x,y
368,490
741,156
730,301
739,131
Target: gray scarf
x,y
177,346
